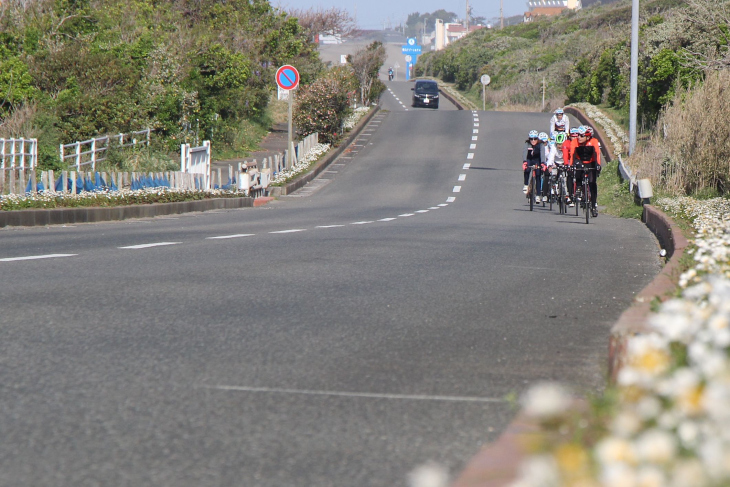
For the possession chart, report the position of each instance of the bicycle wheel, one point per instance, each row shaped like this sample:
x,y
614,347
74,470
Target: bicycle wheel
x,y
587,193
561,197
531,192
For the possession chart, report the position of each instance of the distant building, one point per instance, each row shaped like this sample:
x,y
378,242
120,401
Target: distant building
x,y
446,33
549,7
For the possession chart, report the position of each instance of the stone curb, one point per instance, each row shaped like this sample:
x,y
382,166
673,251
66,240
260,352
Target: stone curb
x,y
60,216
633,321
598,132
497,464
328,159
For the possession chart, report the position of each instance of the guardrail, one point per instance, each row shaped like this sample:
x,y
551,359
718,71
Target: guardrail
x,y
23,182
89,152
19,152
196,160
282,161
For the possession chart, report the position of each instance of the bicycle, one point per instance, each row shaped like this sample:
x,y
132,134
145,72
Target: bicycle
x,y
531,192
584,199
561,188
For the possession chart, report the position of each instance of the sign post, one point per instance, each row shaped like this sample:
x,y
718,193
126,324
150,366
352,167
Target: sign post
x,y
411,51
485,79
287,78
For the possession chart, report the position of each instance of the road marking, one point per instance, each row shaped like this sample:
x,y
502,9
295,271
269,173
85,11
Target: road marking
x,y
450,199
462,177
475,131
457,189
470,155
329,226
434,208
443,204
294,230
387,219
474,137
476,124
147,246
421,211
365,395
360,223
231,236
466,166
407,214
37,257
472,146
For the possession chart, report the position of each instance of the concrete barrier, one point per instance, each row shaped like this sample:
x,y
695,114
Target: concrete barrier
x,y
64,216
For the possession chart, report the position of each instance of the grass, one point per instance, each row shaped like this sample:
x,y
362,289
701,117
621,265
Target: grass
x,y
614,194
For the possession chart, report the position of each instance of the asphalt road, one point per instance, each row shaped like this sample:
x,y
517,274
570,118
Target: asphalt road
x,y
339,339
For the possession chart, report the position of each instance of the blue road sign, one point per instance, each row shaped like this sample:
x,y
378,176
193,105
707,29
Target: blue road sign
x,y
287,77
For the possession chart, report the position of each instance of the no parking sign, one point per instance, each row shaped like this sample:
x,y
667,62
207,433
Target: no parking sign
x,y
287,77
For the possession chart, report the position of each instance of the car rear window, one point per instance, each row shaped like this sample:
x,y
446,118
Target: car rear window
x,y
427,87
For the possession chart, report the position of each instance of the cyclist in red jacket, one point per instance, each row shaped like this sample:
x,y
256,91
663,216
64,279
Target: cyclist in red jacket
x,y
587,156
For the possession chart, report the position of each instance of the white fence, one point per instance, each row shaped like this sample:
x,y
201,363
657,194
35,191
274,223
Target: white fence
x,y
18,153
196,160
89,152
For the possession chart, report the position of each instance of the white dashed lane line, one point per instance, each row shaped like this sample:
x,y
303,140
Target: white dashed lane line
x,y
472,146
443,204
475,137
407,214
457,189
149,245
470,155
360,223
294,230
330,226
462,177
421,211
37,257
450,199
466,166
224,237
475,131
387,219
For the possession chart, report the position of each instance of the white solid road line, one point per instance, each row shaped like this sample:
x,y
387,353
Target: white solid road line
x,y
147,246
239,235
37,257
294,230
451,199
330,226
462,177
457,189
364,395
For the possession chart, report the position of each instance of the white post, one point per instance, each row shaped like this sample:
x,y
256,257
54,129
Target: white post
x,y
60,151
12,153
22,153
93,154
633,97
78,156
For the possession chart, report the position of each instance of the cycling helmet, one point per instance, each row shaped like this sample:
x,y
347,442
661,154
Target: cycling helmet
x,y
574,132
533,134
559,111
543,136
589,131
581,130
560,138
560,125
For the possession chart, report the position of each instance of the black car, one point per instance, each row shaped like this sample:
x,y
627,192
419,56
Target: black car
x,y
425,94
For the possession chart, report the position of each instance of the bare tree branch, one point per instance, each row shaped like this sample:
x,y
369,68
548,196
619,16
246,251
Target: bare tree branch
x,y
331,21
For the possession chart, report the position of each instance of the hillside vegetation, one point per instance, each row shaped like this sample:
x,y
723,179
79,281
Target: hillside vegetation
x,y
190,69
585,56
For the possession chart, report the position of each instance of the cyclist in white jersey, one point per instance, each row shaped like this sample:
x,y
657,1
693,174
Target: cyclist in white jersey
x,y
559,122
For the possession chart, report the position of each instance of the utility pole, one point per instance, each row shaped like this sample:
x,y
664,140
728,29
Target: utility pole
x,y
633,97
467,16
501,14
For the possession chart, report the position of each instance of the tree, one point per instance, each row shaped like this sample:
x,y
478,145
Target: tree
x,y
365,64
332,21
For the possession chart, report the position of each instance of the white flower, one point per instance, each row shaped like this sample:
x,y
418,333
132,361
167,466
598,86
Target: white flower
x,y
656,446
429,475
618,475
546,400
612,450
538,471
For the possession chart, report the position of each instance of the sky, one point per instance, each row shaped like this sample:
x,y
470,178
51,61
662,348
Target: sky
x,y
372,14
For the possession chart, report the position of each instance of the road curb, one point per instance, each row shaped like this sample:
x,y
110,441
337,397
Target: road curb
x,y
497,464
328,158
62,216
452,99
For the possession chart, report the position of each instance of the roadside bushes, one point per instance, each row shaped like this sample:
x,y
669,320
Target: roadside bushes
x,y
689,151
323,105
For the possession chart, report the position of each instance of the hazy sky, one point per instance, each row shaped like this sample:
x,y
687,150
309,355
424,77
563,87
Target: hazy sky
x,y
371,14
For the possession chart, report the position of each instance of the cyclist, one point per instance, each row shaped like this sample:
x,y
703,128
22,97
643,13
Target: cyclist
x,y
594,142
534,154
559,122
569,146
587,156
545,141
557,155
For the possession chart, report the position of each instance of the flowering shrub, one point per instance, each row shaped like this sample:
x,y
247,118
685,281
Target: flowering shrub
x,y
618,137
354,117
51,199
302,164
323,105
670,425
